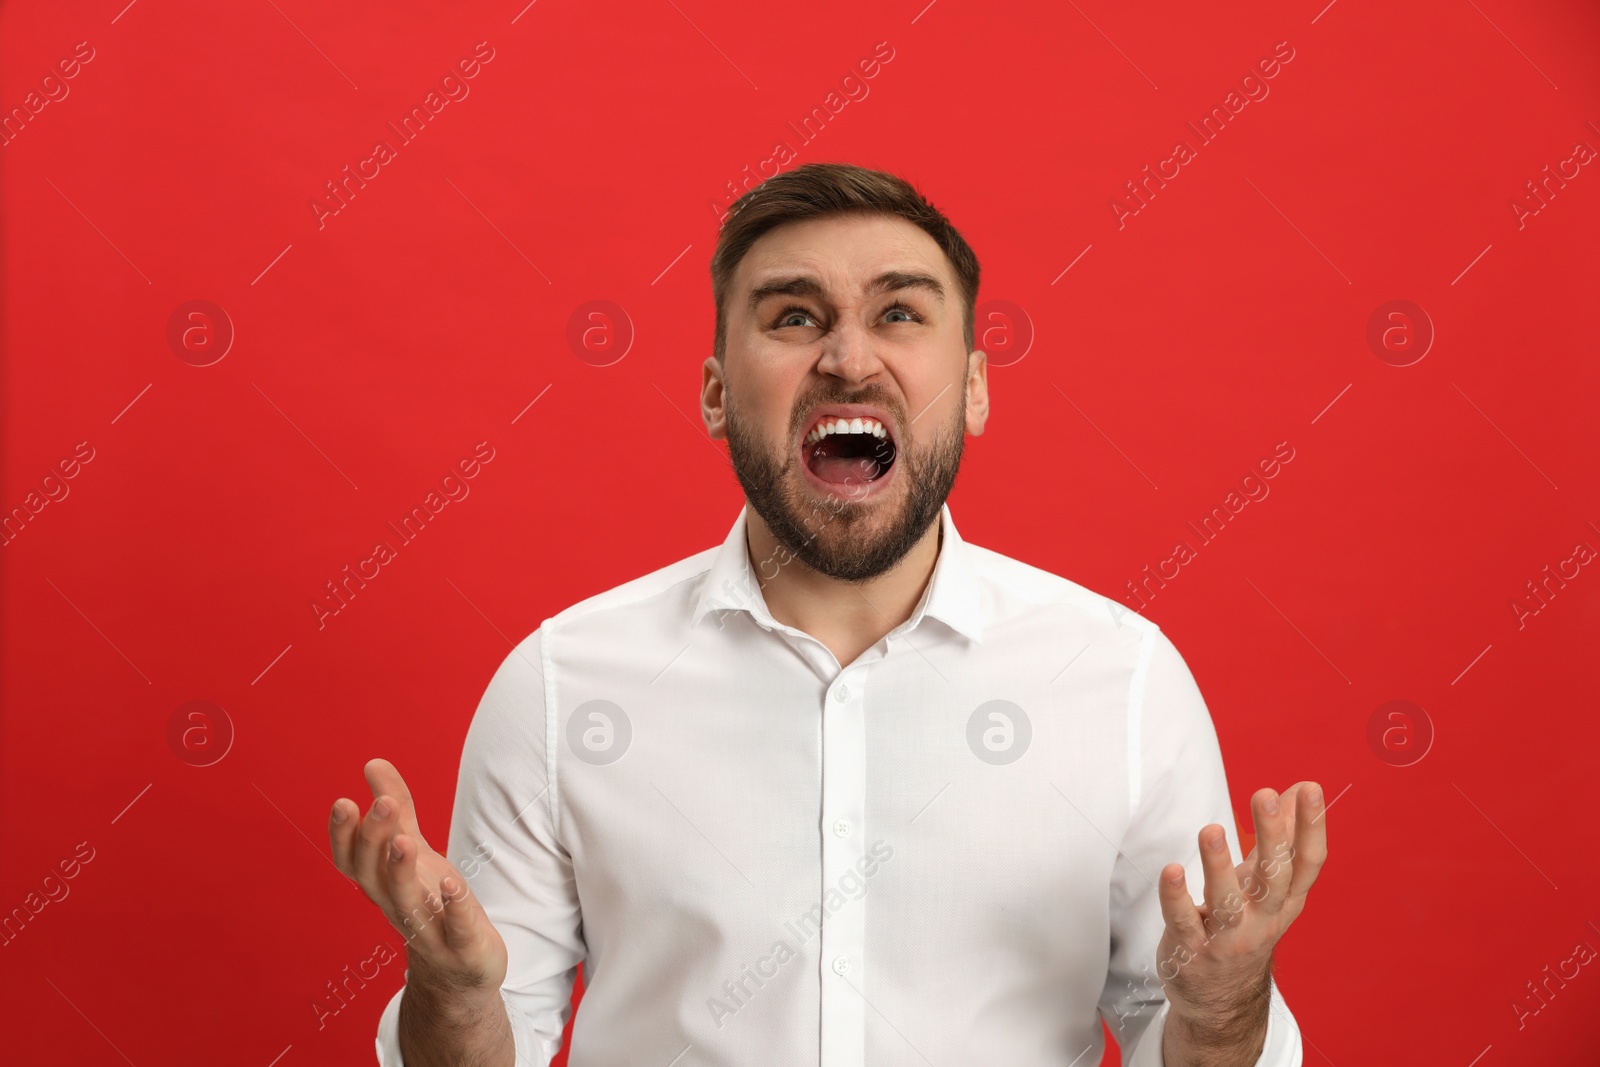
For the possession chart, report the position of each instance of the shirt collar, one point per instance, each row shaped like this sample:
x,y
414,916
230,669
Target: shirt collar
x,y
951,595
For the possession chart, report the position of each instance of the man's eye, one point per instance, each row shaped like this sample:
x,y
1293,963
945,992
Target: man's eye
x,y
903,309
789,313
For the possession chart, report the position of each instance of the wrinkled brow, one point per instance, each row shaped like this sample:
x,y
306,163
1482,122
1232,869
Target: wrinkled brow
x,y
805,285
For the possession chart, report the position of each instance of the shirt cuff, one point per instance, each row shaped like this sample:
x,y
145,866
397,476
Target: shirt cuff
x,y
1281,1048
530,1048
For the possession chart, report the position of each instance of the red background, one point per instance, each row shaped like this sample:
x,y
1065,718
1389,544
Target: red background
x,y
587,163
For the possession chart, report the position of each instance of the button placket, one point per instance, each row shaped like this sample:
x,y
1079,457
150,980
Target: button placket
x,y
843,1022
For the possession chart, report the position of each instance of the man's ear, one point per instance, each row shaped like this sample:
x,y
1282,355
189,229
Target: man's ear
x,y
713,399
977,391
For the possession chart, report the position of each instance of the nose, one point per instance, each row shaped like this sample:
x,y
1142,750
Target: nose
x,y
848,352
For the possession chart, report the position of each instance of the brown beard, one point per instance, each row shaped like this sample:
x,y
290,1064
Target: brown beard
x,y
929,475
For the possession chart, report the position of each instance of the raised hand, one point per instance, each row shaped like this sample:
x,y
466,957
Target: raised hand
x,y
1215,959
451,944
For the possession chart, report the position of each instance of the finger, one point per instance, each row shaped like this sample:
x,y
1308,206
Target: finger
x,y
1224,901
1177,907
1310,841
411,913
1289,802
372,843
460,926
1268,880
385,780
343,822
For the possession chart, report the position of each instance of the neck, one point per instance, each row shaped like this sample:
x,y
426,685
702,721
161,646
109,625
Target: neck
x,y
848,617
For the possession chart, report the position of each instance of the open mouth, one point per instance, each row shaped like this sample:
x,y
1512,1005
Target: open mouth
x,y
848,451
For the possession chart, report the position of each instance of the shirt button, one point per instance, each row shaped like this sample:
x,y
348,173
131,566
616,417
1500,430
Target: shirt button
x,y
841,964
842,828
842,693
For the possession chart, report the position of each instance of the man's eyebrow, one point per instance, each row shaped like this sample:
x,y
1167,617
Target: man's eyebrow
x,y
806,285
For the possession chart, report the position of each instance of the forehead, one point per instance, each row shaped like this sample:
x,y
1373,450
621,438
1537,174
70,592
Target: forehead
x,y
842,251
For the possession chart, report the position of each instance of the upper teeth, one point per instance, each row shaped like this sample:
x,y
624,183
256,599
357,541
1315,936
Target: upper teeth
x,y
829,426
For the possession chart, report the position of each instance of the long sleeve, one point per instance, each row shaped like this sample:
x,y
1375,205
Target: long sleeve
x,y
503,842
1177,785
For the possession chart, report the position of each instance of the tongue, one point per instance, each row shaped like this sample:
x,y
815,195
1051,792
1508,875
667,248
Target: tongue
x,y
840,470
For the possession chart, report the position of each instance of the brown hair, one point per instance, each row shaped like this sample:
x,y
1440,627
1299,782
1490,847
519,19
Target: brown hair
x,y
817,190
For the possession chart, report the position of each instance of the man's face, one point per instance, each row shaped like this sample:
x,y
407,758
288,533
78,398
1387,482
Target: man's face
x,y
851,316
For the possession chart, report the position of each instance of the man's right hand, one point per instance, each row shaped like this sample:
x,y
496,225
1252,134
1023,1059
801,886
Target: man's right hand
x,y
451,944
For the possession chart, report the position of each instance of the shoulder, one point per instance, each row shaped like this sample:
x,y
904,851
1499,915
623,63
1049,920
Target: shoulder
x,y
1018,591
666,591
619,618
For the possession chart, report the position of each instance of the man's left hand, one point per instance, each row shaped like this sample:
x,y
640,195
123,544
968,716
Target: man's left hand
x,y
1215,959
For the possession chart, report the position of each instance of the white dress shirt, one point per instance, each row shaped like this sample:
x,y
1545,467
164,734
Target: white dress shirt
x,y
944,853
